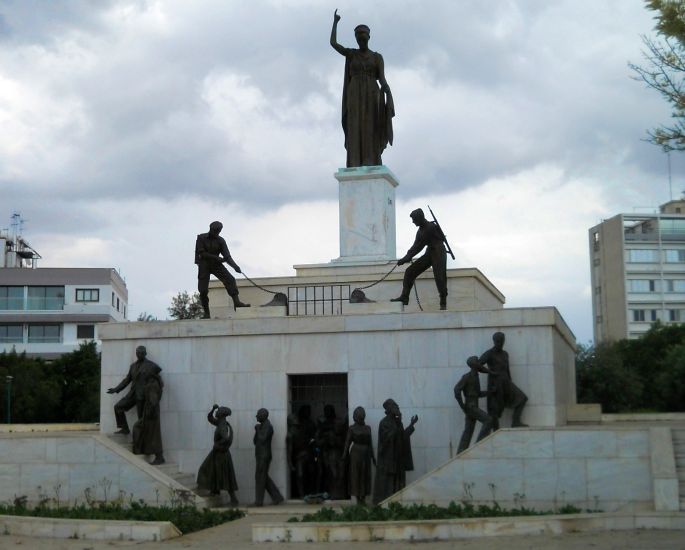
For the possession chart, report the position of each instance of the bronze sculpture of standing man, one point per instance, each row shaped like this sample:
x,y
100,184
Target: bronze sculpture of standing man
x,y
367,111
430,237
210,254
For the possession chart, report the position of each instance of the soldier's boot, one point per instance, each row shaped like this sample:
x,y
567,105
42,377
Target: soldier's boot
x,y
237,303
443,303
401,298
204,300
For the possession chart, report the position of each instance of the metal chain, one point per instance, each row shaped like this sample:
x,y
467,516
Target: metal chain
x,y
258,286
416,293
379,280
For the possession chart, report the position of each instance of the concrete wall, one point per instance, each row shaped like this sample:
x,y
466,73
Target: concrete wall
x,y
589,467
415,358
68,464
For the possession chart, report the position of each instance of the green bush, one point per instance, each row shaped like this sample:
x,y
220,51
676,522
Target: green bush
x,y
186,518
398,512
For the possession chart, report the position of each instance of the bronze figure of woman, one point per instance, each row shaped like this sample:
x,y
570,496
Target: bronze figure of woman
x,y
216,472
367,111
360,451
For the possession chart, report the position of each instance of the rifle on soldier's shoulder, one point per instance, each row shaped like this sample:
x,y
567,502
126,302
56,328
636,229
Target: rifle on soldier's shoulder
x,y
442,234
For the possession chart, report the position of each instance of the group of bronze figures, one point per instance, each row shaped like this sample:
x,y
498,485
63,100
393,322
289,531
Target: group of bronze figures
x,y
325,457
211,252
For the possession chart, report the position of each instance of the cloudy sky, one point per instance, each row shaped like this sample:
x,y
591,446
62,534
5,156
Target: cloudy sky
x,y
126,126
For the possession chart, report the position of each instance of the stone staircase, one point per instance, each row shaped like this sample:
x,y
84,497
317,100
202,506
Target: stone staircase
x,y
679,450
169,469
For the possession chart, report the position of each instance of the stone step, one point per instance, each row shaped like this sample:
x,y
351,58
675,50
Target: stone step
x,y
187,480
168,468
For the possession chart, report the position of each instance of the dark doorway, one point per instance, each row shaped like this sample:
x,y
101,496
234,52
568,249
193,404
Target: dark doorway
x,y
317,426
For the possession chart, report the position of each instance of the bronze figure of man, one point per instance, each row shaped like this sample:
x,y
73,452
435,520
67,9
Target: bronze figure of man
x,y
430,237
137,376
211,252
467,392
502,392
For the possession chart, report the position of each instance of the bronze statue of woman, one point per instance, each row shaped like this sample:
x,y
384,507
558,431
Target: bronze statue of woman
x,y
359,449
367,111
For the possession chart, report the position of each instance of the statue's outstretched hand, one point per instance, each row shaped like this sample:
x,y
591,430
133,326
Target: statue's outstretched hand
x,y
336,17
414,419
111,390
237,268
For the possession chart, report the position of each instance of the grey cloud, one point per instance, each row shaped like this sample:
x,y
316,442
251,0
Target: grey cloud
x,y
149,132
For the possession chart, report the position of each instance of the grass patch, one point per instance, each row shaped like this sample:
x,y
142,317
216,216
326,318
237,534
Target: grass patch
x,y
397,512
187,518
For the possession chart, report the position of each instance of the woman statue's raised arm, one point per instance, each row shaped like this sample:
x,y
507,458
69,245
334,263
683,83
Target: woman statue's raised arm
x,y
334,32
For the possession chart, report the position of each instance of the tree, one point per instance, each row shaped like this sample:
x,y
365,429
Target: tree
x,y
647,373
602,377
80,371
66,390
146,317
665,69
185,306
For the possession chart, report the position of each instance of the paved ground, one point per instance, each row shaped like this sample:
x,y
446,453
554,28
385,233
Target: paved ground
x,y
237,536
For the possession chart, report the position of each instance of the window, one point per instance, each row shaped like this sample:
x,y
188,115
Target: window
x,y
675,315
11,297
675,285
670,225
595,240
45,297
643,285
638,315
45,334
87,294
114,301
642,255
117,303
652,314
674,256
598,290
599,319
11,334
595,262
124,312
85,332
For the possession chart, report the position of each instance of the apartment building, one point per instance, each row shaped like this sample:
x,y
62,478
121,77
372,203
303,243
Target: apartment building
x,y
638,271
48,311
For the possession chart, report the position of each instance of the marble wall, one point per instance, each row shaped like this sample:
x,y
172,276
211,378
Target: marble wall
x,y
590,467
65,466
414,358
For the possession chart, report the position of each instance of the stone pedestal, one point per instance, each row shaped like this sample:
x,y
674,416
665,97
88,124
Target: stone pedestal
x,y
367,214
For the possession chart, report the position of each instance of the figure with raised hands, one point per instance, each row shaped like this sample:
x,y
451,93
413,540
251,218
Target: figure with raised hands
x,y
216,472
367,109
394,452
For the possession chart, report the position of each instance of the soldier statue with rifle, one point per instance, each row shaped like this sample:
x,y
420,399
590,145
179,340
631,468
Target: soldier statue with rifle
x,y
431,237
